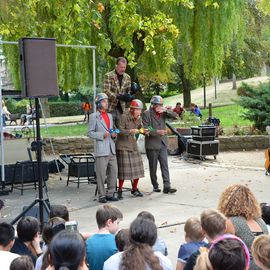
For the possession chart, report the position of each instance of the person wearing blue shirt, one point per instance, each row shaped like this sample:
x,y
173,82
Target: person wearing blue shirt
x,y
101,245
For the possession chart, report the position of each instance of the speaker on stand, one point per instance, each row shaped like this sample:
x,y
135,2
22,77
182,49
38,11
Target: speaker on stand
x,y
39,79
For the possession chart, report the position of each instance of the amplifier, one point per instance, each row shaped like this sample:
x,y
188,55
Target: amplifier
x,y
202,148
203,138
203,131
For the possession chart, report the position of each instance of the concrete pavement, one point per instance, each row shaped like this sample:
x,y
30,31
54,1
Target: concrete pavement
x,y
199,185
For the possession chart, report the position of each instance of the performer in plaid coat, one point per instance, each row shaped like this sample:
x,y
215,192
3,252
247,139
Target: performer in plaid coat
x,y
117,86
130,165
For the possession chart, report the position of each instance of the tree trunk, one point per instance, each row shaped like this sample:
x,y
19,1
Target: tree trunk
x,y
234,82
186,87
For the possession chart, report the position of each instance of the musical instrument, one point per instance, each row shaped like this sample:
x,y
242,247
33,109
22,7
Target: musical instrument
x,y
267,154
267,161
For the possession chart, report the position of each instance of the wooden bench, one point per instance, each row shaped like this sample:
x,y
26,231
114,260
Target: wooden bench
x,y
13,117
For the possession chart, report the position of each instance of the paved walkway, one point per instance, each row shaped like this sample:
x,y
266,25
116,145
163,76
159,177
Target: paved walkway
x,y
199,185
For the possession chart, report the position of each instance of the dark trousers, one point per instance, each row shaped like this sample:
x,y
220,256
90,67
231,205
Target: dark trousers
x,y
154,156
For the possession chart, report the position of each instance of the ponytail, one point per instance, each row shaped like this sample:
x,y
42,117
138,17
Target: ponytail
x,y
203,261
138,256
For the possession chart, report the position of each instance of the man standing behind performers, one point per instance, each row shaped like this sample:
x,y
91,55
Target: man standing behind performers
x,y
117,86
100,124
130,165
156,143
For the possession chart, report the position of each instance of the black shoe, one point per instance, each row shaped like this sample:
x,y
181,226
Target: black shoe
x,y
120,195
157,190
169,190
111,198
136,193
102,199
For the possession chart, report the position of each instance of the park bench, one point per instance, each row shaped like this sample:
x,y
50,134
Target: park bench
x,y
13,117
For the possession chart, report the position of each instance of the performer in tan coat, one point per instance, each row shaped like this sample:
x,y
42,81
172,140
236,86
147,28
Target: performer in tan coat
x,y
130,165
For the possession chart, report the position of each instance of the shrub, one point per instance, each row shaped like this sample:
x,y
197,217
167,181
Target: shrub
x,y
65,109
256,101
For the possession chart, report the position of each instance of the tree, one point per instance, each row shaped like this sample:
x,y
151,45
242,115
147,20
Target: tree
x,y
205,31
256,102
139,30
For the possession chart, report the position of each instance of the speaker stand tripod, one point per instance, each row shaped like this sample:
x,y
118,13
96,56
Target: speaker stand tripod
x,y
37,146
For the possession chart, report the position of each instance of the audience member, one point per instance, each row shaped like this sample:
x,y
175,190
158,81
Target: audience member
x,y
61,211
54,226
228,252
195,110
240,206
28,240
102,245
214,225
5,113
179,109
261,251
7,236
139,255
160,244
265,208
22,263
67,252
122,239
194,236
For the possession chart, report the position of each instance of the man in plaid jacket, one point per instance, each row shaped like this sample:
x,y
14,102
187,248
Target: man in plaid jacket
x,y
117,86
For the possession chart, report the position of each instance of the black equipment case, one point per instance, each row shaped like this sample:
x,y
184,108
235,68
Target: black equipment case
x,y
203,133
203,148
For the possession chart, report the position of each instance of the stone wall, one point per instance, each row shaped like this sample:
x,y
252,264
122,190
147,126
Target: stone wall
x,y
83,144
66,145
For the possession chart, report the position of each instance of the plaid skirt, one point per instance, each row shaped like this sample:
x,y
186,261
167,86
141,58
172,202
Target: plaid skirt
x,y
130,165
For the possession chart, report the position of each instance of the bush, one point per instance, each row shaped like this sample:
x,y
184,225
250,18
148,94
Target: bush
x,y
65,109
256,101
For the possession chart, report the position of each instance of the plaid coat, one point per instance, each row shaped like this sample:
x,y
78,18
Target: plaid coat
x,y
112,87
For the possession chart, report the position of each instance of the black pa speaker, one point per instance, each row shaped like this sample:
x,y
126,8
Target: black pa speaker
x,y
38,67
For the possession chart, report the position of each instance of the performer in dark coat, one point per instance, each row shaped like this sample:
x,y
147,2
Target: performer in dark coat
x,y
157,141
130,165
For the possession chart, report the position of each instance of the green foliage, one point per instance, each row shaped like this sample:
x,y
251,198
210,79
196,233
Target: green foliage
x,y
65,109
205,31
256,101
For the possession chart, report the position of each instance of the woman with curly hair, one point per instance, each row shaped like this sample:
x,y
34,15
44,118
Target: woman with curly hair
x,y
139,255
243,211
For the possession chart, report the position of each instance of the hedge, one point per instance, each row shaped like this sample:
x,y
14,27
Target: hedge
x,y
56,108
65,109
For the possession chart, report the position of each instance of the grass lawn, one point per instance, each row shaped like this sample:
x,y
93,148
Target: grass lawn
x,y
228,115
63,131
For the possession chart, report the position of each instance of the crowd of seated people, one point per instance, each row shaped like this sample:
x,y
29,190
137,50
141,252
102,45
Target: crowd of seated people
x,y
233,237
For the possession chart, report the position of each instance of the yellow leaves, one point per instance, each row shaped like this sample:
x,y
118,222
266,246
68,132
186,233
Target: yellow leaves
x,y
96,24
100,7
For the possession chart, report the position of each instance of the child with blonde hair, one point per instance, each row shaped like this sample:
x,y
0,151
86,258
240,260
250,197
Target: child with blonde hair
x,y
194,236
261,251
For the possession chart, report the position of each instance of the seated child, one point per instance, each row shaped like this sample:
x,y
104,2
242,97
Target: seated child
x,y
101,245
261,251
266,214
122,239
160,244
194,240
